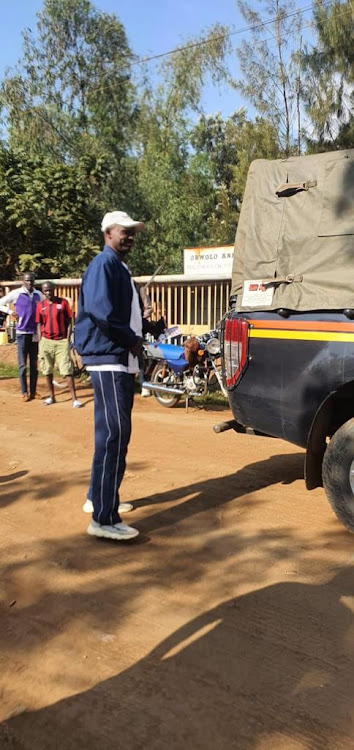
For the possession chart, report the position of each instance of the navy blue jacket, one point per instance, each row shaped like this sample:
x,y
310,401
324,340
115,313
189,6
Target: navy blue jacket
x,y
102,331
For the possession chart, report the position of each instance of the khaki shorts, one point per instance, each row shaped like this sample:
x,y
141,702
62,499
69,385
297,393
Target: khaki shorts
x,y
55,353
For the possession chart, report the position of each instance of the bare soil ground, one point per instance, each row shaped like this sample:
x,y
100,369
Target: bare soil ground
x,y
227,624
8,354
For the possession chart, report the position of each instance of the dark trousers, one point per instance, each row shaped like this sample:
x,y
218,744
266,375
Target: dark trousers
x,y
113,401
26,348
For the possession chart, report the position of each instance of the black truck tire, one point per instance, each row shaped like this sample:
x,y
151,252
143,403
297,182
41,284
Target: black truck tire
x,y
338,474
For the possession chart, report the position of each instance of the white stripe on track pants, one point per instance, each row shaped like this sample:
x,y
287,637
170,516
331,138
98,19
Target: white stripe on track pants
x,y
113,402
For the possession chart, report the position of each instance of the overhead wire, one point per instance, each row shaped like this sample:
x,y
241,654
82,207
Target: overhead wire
x,y
200,43
204,42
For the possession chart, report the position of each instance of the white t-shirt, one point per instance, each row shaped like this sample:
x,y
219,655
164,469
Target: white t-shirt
x,y
136,325
13,297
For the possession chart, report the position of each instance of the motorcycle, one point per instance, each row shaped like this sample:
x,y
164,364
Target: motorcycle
x,y
191,370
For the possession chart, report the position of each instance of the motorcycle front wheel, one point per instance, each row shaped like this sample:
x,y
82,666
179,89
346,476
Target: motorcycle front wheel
x,y
163,375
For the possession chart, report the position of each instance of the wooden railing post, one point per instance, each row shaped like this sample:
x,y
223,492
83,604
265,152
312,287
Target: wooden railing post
x,y
171,296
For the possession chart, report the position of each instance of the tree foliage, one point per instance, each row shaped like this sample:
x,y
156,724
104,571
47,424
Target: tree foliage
x,y
85,131
329,76
72,91
177,185
49,213
69,114
269,62
231,145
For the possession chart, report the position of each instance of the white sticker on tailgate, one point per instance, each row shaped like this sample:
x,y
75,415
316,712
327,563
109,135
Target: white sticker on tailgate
x,y
255,294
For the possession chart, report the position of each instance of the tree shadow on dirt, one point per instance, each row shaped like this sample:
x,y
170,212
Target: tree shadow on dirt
x,y
198,513
275,664
248,668
216,493
182,505
211,493
11,477
44,487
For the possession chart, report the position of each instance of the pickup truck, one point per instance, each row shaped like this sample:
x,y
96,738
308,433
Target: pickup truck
x,y
288,338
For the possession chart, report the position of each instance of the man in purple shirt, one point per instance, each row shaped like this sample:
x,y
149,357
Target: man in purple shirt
x,y
25,300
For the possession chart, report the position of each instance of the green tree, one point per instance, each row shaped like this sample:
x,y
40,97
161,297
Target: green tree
x,y
176,184
81,142
269,62
69,117
328,84
231,145
49,213
71,99
72,92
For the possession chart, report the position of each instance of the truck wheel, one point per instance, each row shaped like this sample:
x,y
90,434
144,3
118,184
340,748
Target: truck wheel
x,y
338,474
163,375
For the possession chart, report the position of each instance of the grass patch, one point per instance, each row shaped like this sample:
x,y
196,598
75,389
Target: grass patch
x,y
8,371
212,401
215,398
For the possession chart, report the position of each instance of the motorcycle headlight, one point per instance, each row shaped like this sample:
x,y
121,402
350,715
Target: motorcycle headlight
x,y
213,346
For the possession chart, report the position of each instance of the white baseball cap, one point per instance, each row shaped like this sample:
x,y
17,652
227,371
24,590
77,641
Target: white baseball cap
x,y
121,218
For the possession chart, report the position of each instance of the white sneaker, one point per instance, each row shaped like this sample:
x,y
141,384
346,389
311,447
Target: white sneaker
x,y
48,401
118,532
77,404
145,393
123,507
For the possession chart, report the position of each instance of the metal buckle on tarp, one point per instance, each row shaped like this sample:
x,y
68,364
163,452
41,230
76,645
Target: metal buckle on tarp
x,y
288,188
289,279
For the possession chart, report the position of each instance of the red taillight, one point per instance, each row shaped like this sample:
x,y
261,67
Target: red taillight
x,y
235,349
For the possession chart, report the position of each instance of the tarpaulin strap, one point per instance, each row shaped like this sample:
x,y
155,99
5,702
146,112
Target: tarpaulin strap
x,y
289,279
288,189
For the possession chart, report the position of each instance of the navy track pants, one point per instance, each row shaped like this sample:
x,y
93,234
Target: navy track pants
x,y
27,349
113,402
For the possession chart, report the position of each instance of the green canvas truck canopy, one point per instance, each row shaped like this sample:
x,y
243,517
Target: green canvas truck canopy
x,y
294,244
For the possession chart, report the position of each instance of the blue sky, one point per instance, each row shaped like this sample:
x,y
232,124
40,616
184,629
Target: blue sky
x,y
152,26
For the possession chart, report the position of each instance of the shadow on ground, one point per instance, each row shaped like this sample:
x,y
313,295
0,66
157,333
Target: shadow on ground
x,y
274,664
11,477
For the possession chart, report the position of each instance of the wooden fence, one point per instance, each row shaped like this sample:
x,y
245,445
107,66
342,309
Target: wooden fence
x,y
195,306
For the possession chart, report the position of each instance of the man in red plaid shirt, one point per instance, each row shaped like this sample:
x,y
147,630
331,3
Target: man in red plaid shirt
x,y
54,315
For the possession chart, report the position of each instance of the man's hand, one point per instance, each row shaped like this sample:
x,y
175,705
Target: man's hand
x,y
137,348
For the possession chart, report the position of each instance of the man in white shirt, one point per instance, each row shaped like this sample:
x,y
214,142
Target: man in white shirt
x,y
25,300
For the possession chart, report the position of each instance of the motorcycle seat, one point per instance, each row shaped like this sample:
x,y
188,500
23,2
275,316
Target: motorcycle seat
x,y
153,351
165,351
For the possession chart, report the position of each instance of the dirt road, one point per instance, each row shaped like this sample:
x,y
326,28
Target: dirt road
x,y
228,623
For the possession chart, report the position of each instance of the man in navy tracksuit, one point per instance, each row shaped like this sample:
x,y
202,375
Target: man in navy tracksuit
x,y
108,336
